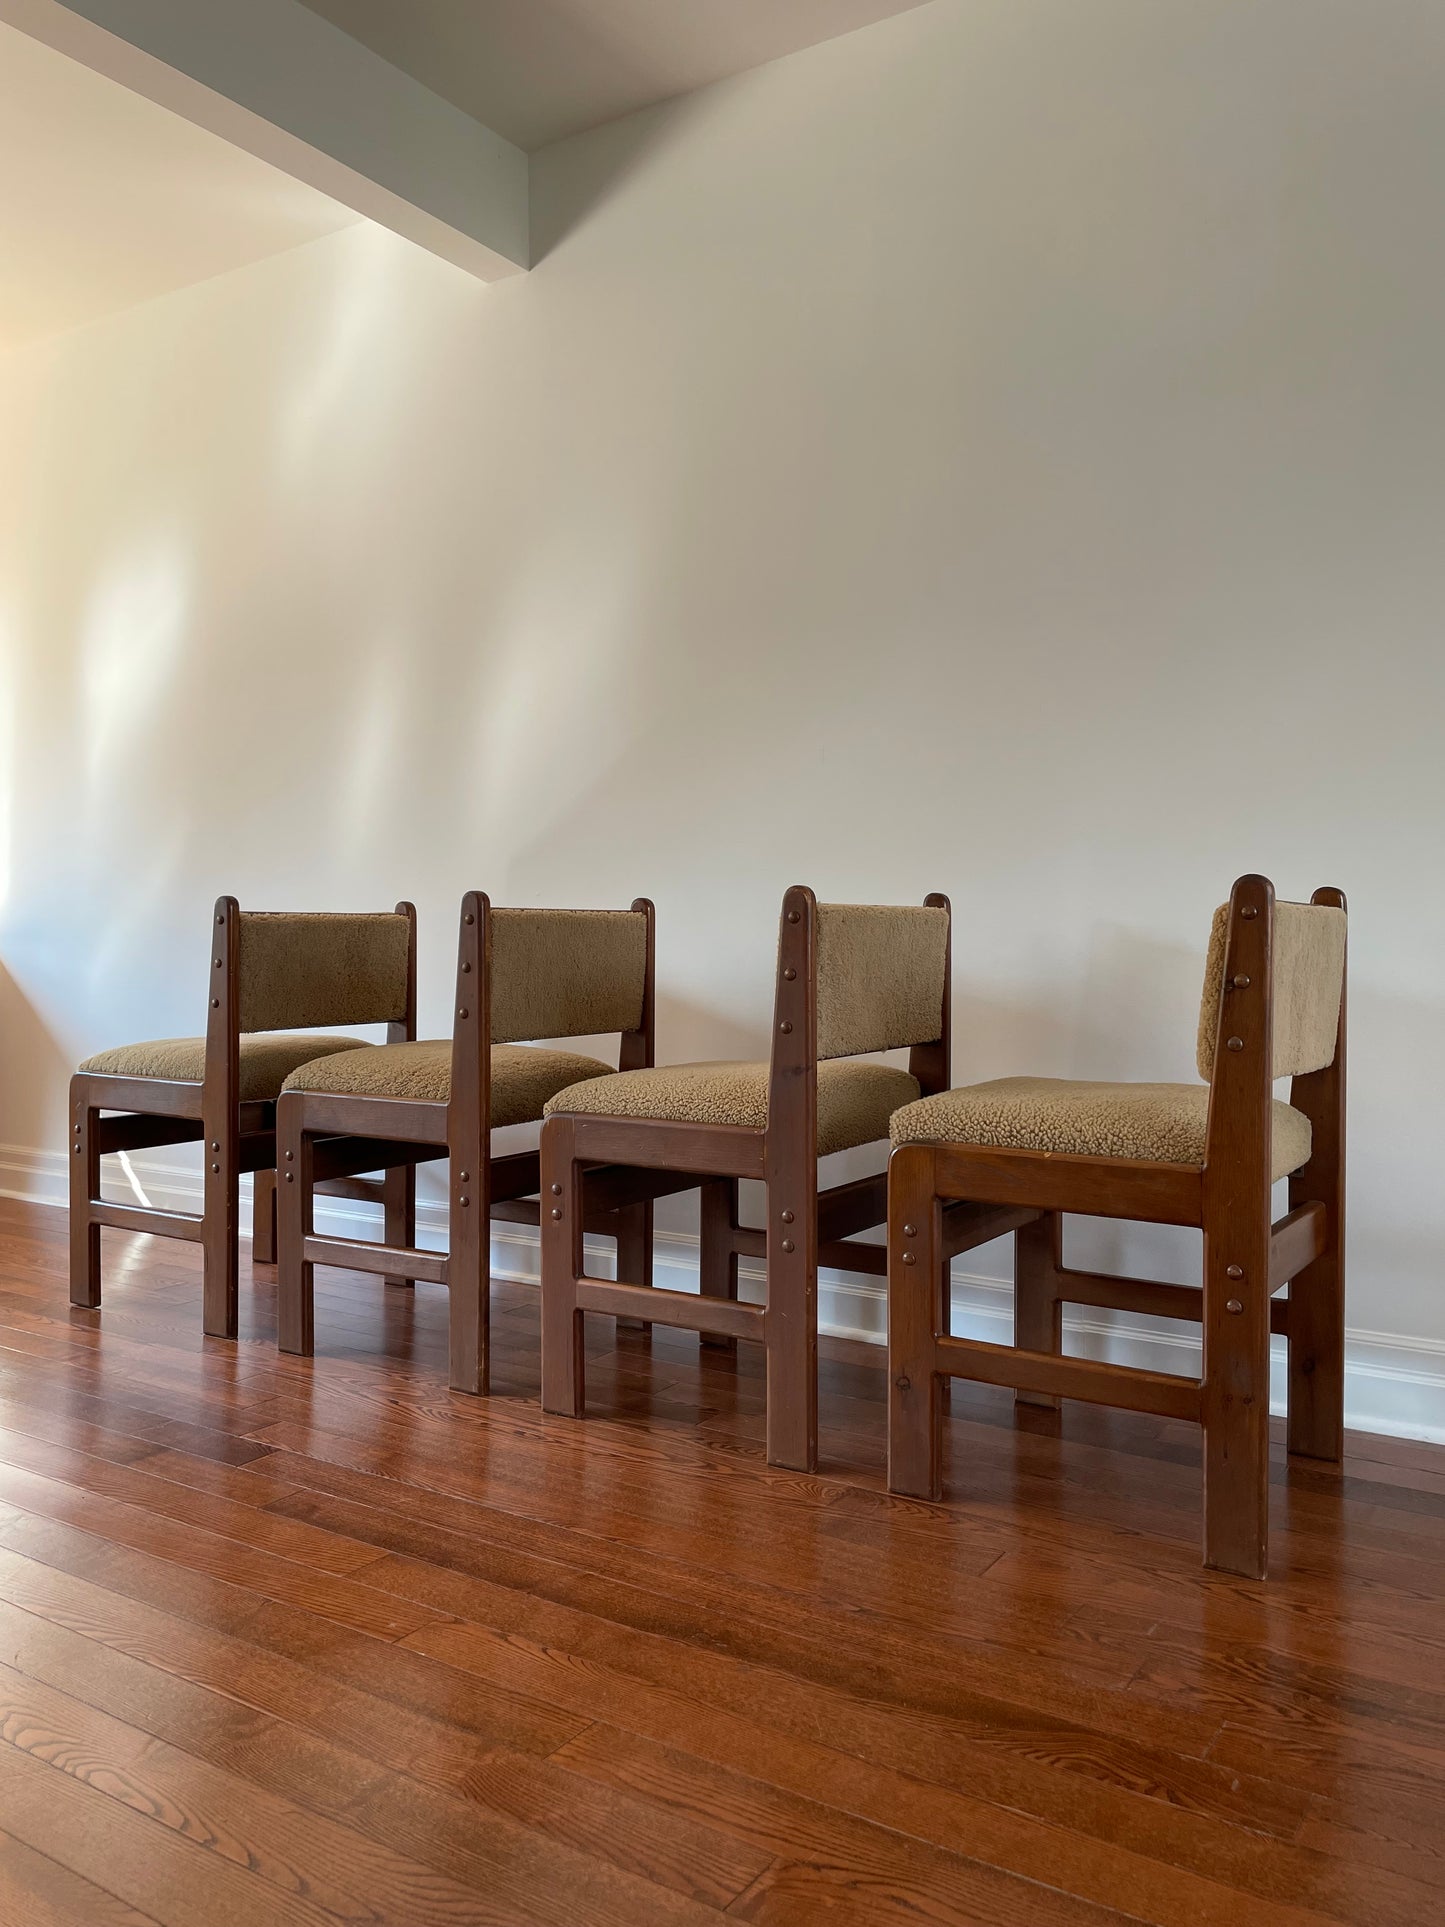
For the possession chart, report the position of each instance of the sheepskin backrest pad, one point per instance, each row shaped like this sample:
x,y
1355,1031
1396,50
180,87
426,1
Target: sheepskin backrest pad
x,y
300,969
880,976
1309,976
566,973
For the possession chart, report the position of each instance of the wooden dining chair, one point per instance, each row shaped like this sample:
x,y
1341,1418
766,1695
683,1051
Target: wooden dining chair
x,y
273,977
521,974
1205,1155
851,980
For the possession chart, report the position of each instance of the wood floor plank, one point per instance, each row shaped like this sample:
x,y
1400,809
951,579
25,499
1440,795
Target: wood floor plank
x,y
274,1657
560,1882
130,1853
65,1634
36,1891
764,1628
348,1602
799,1831
346,1868
687,1525
898,1782
318,1640
149,1491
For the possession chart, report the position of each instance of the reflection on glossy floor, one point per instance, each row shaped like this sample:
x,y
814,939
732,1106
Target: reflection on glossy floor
x,y
301,1643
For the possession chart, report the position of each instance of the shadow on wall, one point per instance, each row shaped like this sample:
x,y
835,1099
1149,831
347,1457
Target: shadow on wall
x,y
575,177
32,1063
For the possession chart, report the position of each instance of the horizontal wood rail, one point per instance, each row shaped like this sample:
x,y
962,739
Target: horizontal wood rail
x,y
611,1187
139,1217
360,1254
1147,1296
1049,1181
336,1161
152,1096
1163,1393
706,1150
838,1254
601,1223
256,1151
967,1225
871,1261
365,1190
407,1120
518,1175
516,1210
1295,1242
126,1131
722,1317
850,1208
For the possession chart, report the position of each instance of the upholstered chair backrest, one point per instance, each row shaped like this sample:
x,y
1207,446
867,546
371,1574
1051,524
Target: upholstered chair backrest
x,y
881,976
566,973
302,971
1308,974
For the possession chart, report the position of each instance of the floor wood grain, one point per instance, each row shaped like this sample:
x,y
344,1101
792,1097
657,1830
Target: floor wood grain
x,y
319,1641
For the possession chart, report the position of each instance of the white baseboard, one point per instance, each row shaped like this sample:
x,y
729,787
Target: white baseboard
x,y
1393,1384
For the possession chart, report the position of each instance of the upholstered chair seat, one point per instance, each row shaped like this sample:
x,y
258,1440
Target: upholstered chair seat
x,y
1163,1122
267,1059
855,1099
523,1077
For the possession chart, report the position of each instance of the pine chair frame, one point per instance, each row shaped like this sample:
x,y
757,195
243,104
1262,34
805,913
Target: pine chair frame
x,y
110,1113
805,1227
323,1138
1247,1260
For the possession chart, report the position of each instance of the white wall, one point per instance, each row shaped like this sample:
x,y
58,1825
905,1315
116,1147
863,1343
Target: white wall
x,y
998,451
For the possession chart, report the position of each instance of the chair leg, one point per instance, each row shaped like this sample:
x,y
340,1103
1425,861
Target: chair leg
x,y
295,1277
469,1271
84,1186
634,1255
564,1387
1316,1423
263,1218
945,1327
717,1260
220,1228
398,1205
1038,1309
792,1315
915,1320
1236,1403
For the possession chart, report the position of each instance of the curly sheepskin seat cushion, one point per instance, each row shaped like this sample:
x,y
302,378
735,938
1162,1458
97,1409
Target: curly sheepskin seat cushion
x,y
524,1076
855,1100
267,1059
1164,1122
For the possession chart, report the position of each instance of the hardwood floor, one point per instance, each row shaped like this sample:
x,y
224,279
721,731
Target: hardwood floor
x,y
294,1642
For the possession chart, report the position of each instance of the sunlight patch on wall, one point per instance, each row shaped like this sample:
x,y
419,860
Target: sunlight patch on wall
x,y
333,377
132,639
374,750
562,675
